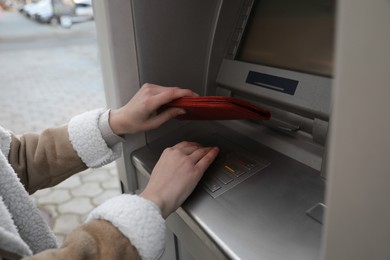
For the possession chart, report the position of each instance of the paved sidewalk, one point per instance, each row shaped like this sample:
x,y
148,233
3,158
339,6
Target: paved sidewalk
x,y
47,75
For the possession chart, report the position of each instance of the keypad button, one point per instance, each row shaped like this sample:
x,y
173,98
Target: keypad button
x,y
224,178
211,184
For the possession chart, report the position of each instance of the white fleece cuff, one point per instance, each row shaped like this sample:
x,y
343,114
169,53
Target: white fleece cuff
x,y
87,140
138,219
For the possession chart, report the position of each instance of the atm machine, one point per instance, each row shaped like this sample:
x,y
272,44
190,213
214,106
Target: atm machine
x,y
264,196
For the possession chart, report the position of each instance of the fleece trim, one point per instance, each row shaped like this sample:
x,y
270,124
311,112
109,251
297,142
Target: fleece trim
x,y
5,141
87,140
27,221
138,219
10,239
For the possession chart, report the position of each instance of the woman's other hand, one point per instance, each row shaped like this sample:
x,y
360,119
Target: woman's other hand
x,y
142,113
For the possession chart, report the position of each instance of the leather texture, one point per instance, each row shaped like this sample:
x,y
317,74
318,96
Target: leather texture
x,y
218,108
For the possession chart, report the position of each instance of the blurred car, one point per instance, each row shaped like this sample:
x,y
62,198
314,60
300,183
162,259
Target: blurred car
x,y
83,10
45,14
33,8
63,12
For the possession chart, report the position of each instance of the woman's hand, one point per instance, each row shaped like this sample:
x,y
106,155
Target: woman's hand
x,y
176,174
141,112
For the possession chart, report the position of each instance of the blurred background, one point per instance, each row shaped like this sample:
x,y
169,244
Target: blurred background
x,y
50,72
63,12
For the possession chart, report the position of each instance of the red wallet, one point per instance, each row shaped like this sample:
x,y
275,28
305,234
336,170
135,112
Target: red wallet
x,y
218,108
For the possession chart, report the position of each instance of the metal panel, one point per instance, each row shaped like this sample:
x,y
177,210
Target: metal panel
x,y
311,98
120,71
357,221
173,41
264,217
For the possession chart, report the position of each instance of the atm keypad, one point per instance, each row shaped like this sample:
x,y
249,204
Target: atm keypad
x,y
232,166
229,170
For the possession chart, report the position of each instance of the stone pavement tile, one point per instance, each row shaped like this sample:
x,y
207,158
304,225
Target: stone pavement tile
x,y
52,210
106,178
97,175
107,194
66,223
112,183
79,206
89,190
50,92
55,196
70,183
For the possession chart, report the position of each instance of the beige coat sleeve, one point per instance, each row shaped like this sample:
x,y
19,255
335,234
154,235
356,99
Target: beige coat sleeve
x,y
44,160
95,240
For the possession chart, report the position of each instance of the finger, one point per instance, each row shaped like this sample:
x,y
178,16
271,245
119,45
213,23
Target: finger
x,y
207,159
170,95
165,116
185,144
157,89
190,150
199,153
194,94
152,88
186,148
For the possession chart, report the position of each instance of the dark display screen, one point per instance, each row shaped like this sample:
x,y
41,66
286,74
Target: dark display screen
x,y
291,34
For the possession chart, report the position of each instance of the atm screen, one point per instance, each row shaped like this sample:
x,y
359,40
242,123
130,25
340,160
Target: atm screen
x,y
295,35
